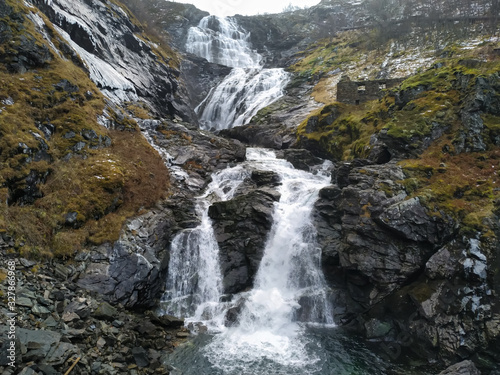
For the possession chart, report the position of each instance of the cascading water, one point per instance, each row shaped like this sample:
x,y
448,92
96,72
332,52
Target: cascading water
x,y
289,273
272,333
194,279
221,41
247,88
267,333
240,96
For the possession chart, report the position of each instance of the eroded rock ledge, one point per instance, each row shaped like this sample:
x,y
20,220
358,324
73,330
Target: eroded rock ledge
x,y
406,273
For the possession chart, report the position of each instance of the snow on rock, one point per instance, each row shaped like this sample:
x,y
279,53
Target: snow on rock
x,y
42,29
123,65
113,84
475,267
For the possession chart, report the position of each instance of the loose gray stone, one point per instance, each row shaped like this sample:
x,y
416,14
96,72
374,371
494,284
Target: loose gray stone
x,y
140,356
461,368
105,311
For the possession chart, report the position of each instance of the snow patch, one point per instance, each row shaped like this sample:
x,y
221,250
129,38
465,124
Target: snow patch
x,y
42,29
112,84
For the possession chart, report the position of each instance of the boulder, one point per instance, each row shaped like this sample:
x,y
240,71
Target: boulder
x,y
301,159
201,76
410,220
276,135
105,311
40,345
462,368
241,226
265,178
167,320
140,356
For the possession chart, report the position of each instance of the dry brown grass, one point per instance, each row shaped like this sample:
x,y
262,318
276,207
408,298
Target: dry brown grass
x,y
103,186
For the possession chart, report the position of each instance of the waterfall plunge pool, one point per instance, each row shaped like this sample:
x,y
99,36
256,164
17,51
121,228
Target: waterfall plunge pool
x,y
267,337
321,351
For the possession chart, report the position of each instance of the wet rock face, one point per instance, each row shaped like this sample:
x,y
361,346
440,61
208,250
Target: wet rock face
x,y
275,136
454,299
241,226
201,76
133,271
301,159
483,99
376,236
410,220
120,60
195,152
406,267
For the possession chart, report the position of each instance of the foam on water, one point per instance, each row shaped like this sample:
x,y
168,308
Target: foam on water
x,y
289,286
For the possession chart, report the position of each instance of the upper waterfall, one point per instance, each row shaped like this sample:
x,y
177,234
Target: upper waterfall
x,y
222,41
247,89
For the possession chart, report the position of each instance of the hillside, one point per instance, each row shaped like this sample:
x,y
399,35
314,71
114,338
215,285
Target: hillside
x,y
105,175
67,180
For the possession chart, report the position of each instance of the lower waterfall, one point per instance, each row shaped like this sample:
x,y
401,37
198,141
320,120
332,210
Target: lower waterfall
x,y
288,309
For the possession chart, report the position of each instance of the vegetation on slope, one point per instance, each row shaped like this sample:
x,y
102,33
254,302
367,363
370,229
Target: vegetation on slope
x,y
370,53
66,181
450,160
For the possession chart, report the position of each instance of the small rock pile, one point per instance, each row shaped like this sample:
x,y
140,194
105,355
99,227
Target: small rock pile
x,y
57,323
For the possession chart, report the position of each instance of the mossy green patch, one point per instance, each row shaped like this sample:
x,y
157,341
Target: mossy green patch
x,y
328,54
424,114
343,130
425,105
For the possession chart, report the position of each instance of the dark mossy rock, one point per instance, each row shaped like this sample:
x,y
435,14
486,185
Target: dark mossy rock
x,y
265,178
106,311
301,159
275,136
241,226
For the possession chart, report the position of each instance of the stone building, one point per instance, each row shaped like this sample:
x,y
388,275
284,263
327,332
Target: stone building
x,y
356,92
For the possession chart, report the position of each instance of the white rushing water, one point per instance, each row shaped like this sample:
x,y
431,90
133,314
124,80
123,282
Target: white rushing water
x,y
247,89
222,41
194,279
289,287
240,96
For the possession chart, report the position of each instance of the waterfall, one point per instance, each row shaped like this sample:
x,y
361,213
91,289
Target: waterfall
x,y
194,279
247,89
240,96
222,41
288,277
289,286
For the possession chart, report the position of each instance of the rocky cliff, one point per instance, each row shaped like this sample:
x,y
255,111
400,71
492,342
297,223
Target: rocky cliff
x,y
84,88
101,158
